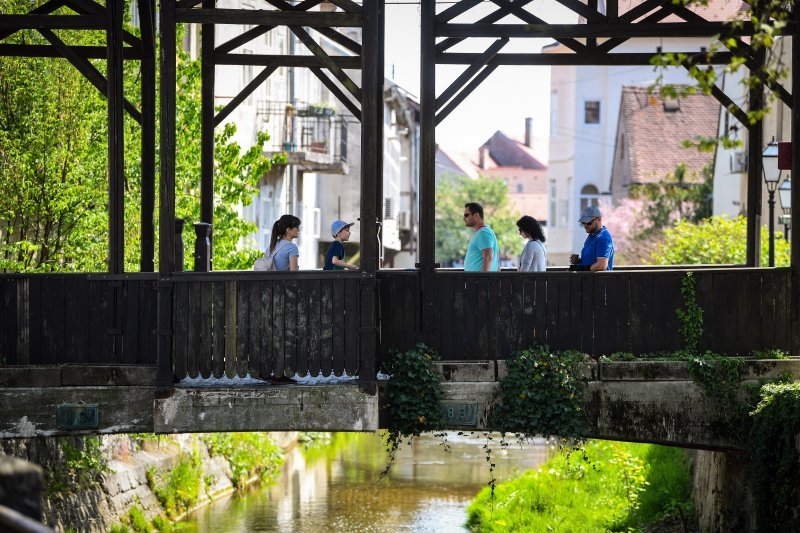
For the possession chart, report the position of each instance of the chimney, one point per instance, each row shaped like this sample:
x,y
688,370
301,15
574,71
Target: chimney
x,y
529,132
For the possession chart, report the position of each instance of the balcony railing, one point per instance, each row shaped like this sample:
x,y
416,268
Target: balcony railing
x,y
314,131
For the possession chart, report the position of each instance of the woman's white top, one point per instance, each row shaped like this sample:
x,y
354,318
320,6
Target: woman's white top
x,y
534,257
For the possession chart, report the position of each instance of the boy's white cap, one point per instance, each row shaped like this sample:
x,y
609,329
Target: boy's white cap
x,y
339,225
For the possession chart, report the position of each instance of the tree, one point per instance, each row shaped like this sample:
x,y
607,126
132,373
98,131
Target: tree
x,y
715,240
53,164
452,237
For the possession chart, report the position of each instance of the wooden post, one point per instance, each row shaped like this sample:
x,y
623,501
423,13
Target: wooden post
x,y
147,18
754,180
207,129
427,170
116,141
202,247
371,183
794,295
179,224
166,215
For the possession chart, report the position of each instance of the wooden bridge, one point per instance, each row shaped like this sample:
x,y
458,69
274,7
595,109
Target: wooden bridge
x,y
117,340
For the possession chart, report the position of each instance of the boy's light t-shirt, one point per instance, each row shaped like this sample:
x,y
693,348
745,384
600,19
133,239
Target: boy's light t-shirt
x,y
482,239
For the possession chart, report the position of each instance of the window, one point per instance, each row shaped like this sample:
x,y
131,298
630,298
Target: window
x,y
591,112
520,188
589,196
551,194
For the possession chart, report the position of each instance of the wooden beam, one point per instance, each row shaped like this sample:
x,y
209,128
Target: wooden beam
x,y
643,9
327,62
207,119
584,58
242,96
560,31
459,8
166,213
86,68
45,50
52,22
794,294
148,138
116,139
731,106
527,17
47,7
466,91
340,39
587,12
494,16
261,17
343,62
654,17
86,7
469,72
336,91
244,38
754,180
348,6
286,6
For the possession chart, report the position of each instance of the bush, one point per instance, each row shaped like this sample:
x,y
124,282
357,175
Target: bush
x,y
624,486
248,454
179,489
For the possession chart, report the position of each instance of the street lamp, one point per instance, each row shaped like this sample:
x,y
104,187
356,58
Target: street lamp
x,y
785,195
772,175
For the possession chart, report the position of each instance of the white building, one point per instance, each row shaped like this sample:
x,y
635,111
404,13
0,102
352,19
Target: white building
x,y
584,108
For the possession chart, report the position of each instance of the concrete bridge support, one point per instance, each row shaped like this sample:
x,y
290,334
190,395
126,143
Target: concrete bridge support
x,y
721,492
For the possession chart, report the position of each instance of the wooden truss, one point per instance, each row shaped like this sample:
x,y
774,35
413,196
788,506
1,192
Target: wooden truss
x,y
592,42
121,46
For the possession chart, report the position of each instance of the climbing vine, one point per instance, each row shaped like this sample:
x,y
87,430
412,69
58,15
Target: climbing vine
x,y
414,394
691,315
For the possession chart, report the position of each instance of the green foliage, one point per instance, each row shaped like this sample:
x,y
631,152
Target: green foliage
x,y
53,164
248,454
715,240
413,395
691,315
541,394
452,237
178,489
771,353
775,457
718,376
81,466
674,198
625,485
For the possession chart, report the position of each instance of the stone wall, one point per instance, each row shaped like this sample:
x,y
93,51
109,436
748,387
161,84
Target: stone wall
x,y
98,508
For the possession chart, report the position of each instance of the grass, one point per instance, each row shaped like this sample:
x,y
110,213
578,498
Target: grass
x,y
248,454
614,487
179,489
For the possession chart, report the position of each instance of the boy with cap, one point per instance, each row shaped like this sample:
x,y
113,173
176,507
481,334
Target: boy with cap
x,y
334,259
598,250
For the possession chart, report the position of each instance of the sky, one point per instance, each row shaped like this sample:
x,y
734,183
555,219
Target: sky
x,y
501,102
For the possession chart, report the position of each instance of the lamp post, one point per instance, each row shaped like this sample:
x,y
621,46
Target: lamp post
x,y
772,175
785,195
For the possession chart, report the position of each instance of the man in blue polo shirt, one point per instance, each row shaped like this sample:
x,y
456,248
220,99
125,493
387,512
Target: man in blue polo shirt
x,y
598,250
483,254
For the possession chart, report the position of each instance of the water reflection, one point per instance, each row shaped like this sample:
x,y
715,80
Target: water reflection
x,y
337,488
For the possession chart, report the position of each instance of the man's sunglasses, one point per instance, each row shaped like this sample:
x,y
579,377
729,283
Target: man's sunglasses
x,y
468,215
588,223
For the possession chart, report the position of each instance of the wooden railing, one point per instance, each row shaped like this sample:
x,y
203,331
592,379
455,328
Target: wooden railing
x,y
489,316
240,323
266,323
77,318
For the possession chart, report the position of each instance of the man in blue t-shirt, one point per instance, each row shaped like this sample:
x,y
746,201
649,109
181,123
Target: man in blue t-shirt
x,y
483,253
598,250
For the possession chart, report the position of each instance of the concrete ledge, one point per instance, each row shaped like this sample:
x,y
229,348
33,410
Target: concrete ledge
x,y
465,371
678,370
588,370
77,375
482,393
31,412
279,408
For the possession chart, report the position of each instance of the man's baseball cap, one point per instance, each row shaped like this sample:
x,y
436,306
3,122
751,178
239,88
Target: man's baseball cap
x,y
589,214
339,225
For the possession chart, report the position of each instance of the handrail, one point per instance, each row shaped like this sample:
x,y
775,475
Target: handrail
x,y
11,520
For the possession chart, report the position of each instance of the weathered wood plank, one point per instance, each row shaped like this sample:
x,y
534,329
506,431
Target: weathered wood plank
x,y
326,322
705,290
130,322
266,360
528,304
623,310
206,329
338,327
553,339
218,329
540,311
458,320
315,329
230,329
493,316
636,304
242,325
563,320
351,325
767,322
517,300
484,323
73,311
278,328
783,310
193,339
145,340
96,331
601,332
8,325
290,323
576,324
181,331
301,328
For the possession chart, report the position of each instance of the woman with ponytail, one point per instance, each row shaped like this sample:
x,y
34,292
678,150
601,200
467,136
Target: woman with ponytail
x,y
284,252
